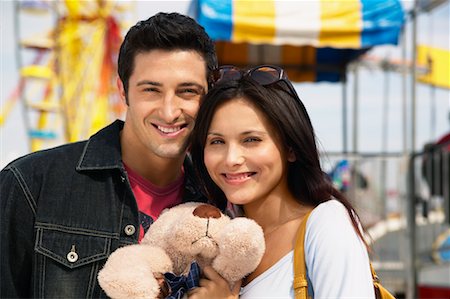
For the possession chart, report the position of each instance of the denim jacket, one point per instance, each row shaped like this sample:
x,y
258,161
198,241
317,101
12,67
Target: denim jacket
x,y
63,211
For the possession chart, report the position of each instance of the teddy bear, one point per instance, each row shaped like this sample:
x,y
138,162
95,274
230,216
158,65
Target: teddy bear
x,y
183,236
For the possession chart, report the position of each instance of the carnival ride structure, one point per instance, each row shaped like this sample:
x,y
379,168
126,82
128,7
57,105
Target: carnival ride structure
x,y
67,71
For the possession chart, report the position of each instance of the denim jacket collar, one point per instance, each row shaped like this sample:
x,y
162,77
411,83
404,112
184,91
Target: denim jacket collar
x,y
103,151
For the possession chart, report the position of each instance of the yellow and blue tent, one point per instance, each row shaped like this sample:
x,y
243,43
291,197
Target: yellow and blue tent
x,y
313,40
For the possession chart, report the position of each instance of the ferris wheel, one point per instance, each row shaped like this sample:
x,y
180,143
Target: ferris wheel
x,y
67,72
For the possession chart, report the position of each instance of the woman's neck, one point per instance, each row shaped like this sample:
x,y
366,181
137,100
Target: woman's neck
x,y
274,211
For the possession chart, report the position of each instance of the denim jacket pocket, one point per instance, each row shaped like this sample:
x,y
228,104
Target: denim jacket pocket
x,y
68,261
72,248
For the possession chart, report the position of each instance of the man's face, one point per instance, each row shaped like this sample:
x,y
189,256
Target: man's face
x,y
164,92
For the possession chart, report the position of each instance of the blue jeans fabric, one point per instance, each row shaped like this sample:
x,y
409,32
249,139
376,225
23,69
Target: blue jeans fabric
x,y
63,211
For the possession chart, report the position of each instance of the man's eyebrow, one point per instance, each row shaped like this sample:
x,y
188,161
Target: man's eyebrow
x,y
146,82
200,87
184,84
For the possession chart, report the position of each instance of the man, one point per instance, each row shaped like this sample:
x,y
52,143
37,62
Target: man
x,y
64,210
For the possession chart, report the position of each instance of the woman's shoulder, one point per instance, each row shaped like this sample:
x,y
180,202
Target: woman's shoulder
x,y
329,218
330,208
336,257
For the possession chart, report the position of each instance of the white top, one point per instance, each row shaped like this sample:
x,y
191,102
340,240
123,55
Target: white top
x,y
275,282
336,260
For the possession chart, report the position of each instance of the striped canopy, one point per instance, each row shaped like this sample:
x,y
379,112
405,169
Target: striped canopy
x,y
314,39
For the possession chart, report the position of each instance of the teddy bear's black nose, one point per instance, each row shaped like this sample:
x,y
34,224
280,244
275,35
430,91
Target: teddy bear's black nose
x,y
206,211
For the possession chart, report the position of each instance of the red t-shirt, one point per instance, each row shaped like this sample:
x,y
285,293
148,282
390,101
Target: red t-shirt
x,y
151,199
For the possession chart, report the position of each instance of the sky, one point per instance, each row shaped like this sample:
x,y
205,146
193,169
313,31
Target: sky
x,y
323,100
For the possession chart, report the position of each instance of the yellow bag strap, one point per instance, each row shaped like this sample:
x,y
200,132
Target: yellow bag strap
x,y
300,281
374,274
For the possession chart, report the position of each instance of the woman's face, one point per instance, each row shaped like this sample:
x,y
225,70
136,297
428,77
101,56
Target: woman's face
x,y
243,154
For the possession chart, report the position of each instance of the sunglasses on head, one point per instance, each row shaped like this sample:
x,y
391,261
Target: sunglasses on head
x,y
263,75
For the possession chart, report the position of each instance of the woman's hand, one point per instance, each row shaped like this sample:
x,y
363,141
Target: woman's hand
x,y
214,286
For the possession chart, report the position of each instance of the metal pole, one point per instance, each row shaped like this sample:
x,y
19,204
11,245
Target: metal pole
x,y
446,178
404,93
433,116
354,173
411,292
414,76
355,108
411,273
432,88
384,138
344,114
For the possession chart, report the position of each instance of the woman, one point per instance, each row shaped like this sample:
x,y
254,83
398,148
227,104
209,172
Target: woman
x,y
253,144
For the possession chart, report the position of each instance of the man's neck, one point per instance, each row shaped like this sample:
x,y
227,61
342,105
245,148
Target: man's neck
x,y
159,171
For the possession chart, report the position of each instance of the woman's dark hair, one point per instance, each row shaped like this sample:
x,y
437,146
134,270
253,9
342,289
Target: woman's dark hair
x,y
164,31
288,116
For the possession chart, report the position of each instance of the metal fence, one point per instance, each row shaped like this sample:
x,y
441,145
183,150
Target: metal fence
x,y
403,202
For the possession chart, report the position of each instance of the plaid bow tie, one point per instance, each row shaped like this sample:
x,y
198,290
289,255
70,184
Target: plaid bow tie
x,y
179,285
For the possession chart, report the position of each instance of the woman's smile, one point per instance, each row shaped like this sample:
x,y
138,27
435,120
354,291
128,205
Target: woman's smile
x,y
238,178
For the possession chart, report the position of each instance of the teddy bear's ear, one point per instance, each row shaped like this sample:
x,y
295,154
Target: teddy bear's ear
x,y
163,225
241,247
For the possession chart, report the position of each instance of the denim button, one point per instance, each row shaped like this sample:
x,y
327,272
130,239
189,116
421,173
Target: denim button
x,y
129,230
72,256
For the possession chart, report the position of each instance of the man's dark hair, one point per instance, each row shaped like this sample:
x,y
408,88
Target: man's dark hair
x,y
164,31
